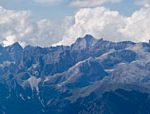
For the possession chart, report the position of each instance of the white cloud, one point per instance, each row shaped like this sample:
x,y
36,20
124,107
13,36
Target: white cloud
x,y
137,26
91,3
102,22
99,22
18,26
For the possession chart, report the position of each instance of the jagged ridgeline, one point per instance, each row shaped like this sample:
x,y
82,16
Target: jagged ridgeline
x,y
89,77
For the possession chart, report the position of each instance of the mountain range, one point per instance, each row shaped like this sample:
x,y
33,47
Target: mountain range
x,y
92,76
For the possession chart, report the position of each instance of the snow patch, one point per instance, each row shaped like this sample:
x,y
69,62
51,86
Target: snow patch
x,y
34,82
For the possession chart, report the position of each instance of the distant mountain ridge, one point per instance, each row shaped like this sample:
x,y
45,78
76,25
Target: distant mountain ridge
x,y
92,76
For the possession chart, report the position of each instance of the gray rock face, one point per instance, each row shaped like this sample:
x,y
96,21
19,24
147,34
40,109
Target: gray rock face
x,y
89,77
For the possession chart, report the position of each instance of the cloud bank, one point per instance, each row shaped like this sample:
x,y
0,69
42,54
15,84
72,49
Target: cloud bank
x,y
102,22
18,26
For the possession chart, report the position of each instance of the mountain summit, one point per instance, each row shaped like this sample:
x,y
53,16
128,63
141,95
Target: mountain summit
x,y
92,76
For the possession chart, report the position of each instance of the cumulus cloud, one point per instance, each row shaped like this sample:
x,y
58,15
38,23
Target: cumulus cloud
x,y
102,22
91,3
137,26
18,26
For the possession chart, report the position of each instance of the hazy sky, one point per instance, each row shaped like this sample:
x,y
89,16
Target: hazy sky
x,y
50,22
58,9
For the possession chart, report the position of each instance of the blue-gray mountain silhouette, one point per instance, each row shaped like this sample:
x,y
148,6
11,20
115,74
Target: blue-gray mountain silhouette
x,y
92,76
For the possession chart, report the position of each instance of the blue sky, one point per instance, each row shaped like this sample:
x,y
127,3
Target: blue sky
x,y
52,11
57,12
126,7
